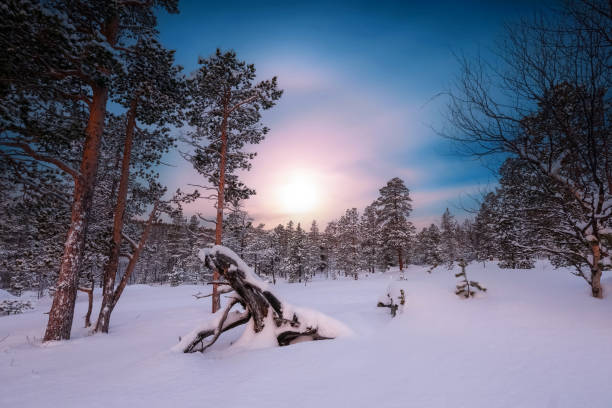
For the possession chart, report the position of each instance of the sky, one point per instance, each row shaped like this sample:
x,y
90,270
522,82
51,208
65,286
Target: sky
x,y
363,97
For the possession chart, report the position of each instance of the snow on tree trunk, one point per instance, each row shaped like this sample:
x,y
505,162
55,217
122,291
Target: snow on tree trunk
x,y
269,320
216,299
110,270
62,309
596,272
107,307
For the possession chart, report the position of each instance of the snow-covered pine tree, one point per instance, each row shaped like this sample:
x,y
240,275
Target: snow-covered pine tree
x,y
394,206
485,228
448,239
297,253
370,252
429,244
280,256
314,260
330,249
225,113
261,252
466,248
349,243
35,210
177,274
516,211
237,227
465,287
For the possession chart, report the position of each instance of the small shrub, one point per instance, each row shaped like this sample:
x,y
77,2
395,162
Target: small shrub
x,y
8,307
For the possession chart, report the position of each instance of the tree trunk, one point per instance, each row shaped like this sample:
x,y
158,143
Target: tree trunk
x,y
401,261
596,271
105,311
110,269
216,299
89,292
62,309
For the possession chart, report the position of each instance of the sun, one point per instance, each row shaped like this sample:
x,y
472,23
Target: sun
x,y
298,194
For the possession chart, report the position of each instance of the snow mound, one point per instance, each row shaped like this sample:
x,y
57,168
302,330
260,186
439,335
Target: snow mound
x,y
5,295
324,325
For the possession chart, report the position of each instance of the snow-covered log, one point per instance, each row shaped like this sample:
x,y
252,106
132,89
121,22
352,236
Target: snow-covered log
x,y
270,321
394,298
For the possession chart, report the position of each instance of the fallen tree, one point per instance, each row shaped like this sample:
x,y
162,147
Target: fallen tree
x,y
269,320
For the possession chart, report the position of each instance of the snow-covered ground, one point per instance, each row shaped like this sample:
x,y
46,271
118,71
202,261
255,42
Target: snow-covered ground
x,y
534,339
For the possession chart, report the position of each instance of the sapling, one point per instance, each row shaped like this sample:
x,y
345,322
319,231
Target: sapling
x,y
465,286
393,300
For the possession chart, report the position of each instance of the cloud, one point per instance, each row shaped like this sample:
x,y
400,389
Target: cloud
x,y
297,73
347,141
350,138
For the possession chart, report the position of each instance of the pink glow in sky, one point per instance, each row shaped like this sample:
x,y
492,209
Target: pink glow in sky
x,y
343,138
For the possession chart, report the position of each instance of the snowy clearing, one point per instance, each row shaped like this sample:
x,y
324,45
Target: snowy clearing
x,y
536,338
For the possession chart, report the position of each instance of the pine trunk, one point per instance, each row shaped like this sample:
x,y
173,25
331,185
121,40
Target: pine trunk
x,y
401,261
110,270
216,299
106,310
596,272
62,309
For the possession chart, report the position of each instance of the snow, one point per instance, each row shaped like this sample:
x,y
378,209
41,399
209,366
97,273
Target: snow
x,y
250,277
326,327
4,295
534,339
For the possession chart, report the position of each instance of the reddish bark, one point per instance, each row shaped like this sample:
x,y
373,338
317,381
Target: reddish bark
x,y
62,309
107,308
110,269
596,271
89,292
401,261
216,299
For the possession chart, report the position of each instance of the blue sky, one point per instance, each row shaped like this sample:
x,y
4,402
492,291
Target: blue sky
x,y
359,78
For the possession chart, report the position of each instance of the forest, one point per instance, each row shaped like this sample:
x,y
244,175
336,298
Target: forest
x,y
92,103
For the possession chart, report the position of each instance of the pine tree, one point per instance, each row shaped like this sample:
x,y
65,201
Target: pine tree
x,y
314,257
64,58
349,243
177,275
280,251
465,287
448,239
429,244
485,229
370,239
225,112
514,233
330,248
393,208
297,254
466,244
151,91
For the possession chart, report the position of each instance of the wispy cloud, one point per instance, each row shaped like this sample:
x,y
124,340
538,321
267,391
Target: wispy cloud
x,y
348,137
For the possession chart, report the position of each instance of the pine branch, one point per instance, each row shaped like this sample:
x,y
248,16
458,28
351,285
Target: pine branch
x,y
41,157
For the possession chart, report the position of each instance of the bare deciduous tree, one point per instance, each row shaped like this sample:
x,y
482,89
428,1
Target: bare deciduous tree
x,y
548,105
